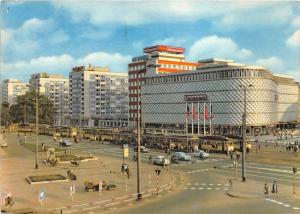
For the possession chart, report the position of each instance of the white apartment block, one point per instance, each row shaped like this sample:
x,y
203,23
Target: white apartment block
x,y
56,88
10,89
98,97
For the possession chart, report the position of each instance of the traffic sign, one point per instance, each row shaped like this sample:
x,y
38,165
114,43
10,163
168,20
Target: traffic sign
x,y
42,195
125,151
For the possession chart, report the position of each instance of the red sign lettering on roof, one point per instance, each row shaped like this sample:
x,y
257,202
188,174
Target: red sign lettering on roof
x,y
164,48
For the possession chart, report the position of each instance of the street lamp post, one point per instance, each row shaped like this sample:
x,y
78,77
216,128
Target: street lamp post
x,y
244,132
139,194
36,126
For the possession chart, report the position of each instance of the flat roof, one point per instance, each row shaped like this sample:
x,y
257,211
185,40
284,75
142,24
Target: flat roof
x,y
164,48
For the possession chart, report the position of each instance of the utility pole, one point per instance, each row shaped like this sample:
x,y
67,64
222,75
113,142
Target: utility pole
x,y
37,126
139,194
244,138
244,132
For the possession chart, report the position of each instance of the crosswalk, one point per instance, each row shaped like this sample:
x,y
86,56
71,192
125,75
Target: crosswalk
x,y
284,204
206,186
267,172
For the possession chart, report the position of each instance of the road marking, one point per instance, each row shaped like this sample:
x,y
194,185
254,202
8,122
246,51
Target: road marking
x,y
211,184
286,205
200,188
193,188
208,188
203,184
196,184
219,184
296,208
225,189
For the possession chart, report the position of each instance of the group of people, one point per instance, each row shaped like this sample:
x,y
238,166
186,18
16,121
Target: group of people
x,y
237,155
274,189
292,147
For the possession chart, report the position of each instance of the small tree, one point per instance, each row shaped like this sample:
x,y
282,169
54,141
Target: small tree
x,y
5,116
25,107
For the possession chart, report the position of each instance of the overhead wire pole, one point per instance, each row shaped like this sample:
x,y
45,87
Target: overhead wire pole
x,y
244,138
244,132
139,194
187,125
37,126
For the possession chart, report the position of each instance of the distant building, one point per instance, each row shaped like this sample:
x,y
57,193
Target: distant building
x,y
158,59
214,92
56,88
11,88
98,97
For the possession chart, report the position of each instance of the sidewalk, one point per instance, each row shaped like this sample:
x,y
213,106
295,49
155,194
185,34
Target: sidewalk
x,y
255,189
17,162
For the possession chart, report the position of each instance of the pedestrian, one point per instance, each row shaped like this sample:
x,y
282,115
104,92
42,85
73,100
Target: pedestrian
x,y
127,171
231,155
275,189
266,192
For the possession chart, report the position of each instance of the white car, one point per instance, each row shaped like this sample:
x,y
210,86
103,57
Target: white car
x,y
200,154
65,143
160,160
182,156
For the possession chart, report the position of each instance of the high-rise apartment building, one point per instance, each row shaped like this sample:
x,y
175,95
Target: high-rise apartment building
x,y
56,88
98,97
158,59
11,88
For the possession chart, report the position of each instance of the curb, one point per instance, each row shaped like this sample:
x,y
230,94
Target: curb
x,y
113,201
234,195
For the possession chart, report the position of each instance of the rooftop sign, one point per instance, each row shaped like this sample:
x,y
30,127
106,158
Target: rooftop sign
x,y
164,48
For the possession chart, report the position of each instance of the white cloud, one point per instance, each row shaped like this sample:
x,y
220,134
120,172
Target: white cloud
x,y
218,47
116,61
63,64
273,63
254,17
248,14
294,40
30,37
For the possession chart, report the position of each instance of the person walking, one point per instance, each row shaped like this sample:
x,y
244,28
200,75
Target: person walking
x,y
266,192
275,189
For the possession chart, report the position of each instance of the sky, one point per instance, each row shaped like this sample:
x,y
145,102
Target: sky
x,y
54,36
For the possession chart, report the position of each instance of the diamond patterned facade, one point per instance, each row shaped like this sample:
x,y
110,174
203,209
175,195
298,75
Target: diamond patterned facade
x,y
269,101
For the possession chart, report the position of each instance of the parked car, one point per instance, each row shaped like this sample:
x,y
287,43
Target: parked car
x,y
160,160
200,154
65,143
182,156
143,149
